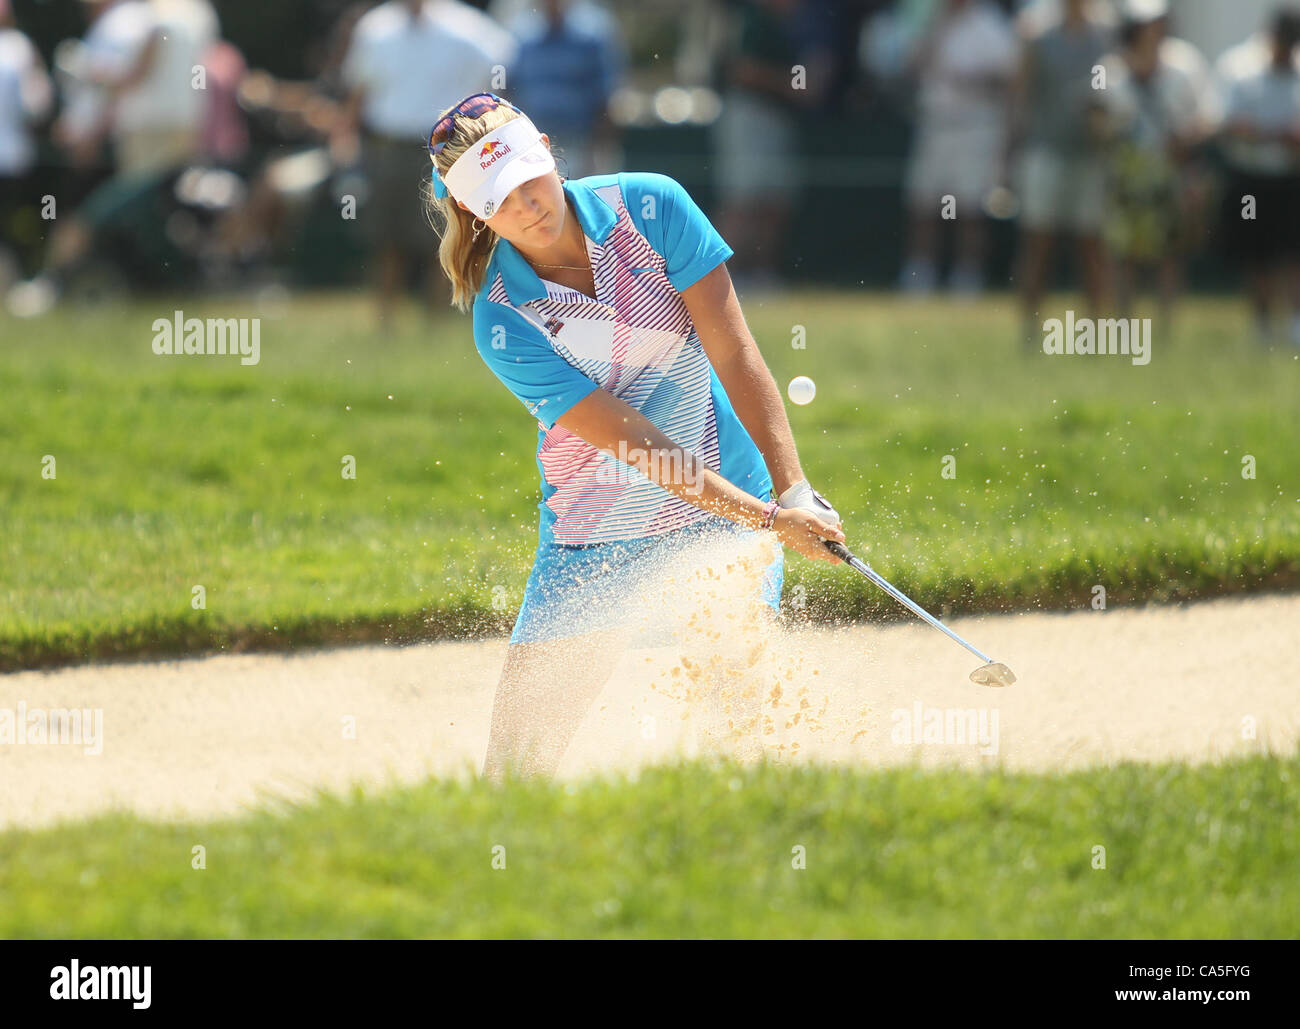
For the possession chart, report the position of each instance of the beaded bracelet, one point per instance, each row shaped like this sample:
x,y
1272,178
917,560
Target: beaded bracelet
x,y
769,513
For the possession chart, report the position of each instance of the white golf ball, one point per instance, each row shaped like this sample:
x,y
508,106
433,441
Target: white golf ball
x,y
802,390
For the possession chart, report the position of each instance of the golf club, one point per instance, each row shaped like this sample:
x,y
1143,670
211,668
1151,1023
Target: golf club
x,y
991,673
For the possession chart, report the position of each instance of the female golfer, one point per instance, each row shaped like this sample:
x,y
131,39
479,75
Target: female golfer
x,y
604,305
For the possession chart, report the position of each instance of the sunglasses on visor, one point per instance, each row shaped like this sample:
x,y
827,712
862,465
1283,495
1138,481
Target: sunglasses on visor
x,y
471,107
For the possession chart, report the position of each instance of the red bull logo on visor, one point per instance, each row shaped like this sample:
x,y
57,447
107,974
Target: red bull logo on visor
x,y
493,150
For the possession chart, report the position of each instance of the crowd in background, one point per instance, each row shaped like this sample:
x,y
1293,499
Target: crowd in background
x,y
153,87
1087,121
1097,124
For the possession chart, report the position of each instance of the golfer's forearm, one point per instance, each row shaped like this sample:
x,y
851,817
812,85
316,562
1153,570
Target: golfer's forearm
x,y
614,427
711,492
685,476
757,402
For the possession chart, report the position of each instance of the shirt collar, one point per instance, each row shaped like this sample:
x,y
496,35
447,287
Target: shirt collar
x,y
522,284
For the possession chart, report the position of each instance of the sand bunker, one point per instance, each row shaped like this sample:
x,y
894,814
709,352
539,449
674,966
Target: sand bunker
x,y
212,736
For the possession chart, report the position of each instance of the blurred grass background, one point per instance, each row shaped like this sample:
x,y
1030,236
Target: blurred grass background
x,y
181,471
1204,852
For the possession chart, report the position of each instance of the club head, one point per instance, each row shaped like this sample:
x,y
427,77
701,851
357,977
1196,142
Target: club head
x,y
995,673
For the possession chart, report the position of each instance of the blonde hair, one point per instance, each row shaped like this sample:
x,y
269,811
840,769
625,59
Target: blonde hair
x,y
463,259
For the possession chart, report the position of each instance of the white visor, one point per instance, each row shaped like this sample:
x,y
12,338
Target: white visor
x,y
484,175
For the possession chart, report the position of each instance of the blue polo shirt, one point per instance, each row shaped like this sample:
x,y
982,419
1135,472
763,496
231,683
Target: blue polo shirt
x,y
551,345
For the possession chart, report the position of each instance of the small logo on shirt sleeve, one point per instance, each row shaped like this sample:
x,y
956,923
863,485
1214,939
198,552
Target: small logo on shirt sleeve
x,y
553,326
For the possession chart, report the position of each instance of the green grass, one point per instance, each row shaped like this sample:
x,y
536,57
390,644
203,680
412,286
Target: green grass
x,y
698,850
177,472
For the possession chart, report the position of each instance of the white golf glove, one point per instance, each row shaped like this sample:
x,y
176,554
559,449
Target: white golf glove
x,y
802,495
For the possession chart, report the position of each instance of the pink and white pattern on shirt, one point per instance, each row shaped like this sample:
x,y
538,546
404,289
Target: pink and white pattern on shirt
x,y
636,340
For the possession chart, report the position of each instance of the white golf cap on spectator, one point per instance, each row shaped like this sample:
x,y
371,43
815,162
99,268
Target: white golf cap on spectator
x,y
484,175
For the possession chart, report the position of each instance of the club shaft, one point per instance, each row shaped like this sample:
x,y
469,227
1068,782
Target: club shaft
x,y
856,563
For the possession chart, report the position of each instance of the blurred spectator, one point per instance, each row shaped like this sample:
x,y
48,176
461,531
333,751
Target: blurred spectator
x,y
756,134
890,35
1062,174
25,97
1261,145
330,81
1249,57
301,117
568,66
1158,108
407,62
139,57
223,130
966,63
314,110
134,74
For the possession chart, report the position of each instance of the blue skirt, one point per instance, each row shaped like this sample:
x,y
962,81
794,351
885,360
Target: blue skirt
x,y
574,590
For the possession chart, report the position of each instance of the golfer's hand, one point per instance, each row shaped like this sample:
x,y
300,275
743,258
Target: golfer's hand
x,y
802,495
803,531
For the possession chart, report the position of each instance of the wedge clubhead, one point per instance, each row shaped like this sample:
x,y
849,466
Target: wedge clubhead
x,y
991,673
995,673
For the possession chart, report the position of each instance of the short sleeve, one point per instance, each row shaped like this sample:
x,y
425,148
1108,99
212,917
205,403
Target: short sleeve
x,y
674,225
520,356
